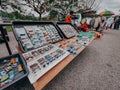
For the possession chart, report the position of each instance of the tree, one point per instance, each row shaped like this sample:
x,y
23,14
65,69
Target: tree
x,y
88,7
39,6
89,4
53,14
63,7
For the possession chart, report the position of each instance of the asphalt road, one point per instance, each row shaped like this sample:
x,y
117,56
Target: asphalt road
x,y
96,68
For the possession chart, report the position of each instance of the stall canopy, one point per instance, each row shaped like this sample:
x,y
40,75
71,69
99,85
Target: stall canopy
x,y
106,13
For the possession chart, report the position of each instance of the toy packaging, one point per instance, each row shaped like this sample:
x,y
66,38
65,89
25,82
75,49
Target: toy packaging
x,y
67,29
42,59
34,35
12,69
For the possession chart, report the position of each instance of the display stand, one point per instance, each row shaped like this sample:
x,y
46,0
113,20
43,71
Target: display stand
x,y
67,29
31,35
47,60
36,40
46,78
4,37
12,67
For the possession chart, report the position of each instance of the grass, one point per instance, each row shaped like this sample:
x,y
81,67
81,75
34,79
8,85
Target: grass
x,y
8,28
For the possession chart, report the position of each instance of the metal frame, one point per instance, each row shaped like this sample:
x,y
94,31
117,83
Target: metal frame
x,y
4,37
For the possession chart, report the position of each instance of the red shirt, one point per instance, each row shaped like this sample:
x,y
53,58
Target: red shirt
x,y
84,26
68,18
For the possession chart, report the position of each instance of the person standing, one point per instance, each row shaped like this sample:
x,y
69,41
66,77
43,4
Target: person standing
x,y
109,22
92,22
97,23
68,17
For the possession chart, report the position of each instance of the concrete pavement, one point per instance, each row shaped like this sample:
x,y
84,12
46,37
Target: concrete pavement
x,y
96,68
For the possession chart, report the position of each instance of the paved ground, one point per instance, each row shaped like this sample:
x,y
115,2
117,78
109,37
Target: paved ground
x,y
96,68
12,43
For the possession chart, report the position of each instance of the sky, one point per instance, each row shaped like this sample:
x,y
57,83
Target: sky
x,y
112,5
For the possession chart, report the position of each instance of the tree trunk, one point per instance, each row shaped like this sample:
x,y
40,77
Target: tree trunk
x,y
40,16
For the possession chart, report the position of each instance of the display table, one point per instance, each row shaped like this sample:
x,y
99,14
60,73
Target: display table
x,y
46,78
47,49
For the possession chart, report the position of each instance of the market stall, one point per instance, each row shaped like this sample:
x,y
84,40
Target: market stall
x,y
47,48
13,67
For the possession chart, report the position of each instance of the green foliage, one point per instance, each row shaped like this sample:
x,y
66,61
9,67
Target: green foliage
x,y
50,1
53,14
16,15
8,28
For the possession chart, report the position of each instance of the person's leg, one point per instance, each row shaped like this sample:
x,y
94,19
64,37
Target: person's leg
x,y
106,27
117,26
114,25
96,29
111,26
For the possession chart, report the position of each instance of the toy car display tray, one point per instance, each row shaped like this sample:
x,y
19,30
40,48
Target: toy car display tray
x,y
12,69
67,29
41,60
31,35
